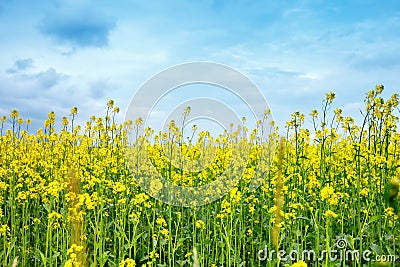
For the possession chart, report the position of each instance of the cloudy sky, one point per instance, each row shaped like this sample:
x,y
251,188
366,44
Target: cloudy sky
x,y
59,54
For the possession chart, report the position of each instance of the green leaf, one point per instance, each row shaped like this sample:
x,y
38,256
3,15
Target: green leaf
x,y
375,248
374,219
350,241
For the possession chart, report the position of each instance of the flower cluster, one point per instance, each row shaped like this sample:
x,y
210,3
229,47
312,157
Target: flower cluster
x,y
71,195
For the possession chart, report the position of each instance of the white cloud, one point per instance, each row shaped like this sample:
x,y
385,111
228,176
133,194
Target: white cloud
x,y
294,52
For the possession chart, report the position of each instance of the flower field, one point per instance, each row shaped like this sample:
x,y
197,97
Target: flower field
x,y
70,194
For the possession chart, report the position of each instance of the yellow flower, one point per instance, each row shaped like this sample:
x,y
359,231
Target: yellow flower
x,y
127,263
187,255
55,215
326,192
251,209
155,186
4,229
200,224
164,232
119,187
272,209
299,264
75,248
329,214
161,222
249,232
389,212
235,195
153,255
364,192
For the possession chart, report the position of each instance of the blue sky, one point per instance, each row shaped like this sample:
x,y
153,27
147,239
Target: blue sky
x,y
59,54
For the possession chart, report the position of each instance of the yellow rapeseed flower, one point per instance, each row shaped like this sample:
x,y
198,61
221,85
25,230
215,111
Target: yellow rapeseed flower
x,y
329,214
299,264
